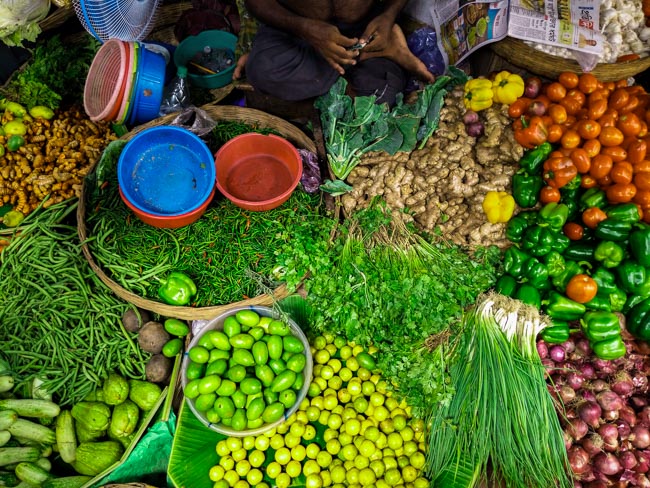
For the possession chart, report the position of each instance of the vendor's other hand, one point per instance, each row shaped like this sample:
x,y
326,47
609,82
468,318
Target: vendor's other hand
x,y
240,66
332,45
377,34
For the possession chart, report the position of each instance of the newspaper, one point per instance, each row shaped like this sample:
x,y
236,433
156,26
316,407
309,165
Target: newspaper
x,y
465,26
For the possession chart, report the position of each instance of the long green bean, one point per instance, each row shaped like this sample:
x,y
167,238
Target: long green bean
x,y
60,322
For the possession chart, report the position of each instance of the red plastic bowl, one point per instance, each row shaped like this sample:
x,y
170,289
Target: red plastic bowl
x,y
258,172
106,81
169,222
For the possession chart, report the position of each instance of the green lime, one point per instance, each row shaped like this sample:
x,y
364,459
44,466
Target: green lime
x,y
199,354
249,318
172,347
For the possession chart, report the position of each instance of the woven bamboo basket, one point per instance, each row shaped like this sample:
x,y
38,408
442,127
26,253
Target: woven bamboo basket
x,y
218,112
520,54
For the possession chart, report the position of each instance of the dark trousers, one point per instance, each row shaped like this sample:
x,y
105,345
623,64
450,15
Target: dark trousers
x,y
289,68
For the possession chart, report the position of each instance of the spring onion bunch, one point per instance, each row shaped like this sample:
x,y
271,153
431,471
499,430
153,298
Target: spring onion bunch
x,y
501,422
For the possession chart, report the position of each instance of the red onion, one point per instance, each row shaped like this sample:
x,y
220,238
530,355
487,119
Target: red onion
x,y
628,475
588,395
590,412
638,401
640,382
577,484
593,444
644,461
532,87
542,349
588,371
549,365
577,428
628,460
575,380
568,440
475,130
607,464
622,384
641,481
566,394
598,484
557,353
603,366
609,432
643,417
640,437
583,348
608,400
569,346
588,476
610,415
579,460
624,429
470,117
598,385
537,108
628,415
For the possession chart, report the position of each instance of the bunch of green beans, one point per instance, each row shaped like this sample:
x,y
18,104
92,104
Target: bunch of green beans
x,y
59,322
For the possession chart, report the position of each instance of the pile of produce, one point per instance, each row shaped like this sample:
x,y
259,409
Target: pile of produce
x,y
441,186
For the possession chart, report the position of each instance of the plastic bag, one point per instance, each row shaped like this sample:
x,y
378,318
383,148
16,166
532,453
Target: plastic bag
x,y
177,94
586,61
311,178
195,120
424,44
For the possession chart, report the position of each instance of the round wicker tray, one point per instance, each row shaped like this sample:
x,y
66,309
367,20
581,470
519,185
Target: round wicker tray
x,y
522,55
218,112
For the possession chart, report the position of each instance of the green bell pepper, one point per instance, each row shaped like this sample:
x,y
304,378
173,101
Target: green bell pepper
x,y
533,159
631,276
506,285
530,295
632,301
555,264
613,230
617,300
600,325
516,227
640,245
593,197
609,253
579,251
553,215
177,289
571,268
536,274
624,212
605,280
599,302
557,333
526,188
609,349
638,320
559,307
561,242
538,241
513,262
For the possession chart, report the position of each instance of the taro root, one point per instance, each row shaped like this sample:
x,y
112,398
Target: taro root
x,y
152,337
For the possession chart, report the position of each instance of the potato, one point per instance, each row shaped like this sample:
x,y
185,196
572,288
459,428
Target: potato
x,y
158,368
152,337
133,319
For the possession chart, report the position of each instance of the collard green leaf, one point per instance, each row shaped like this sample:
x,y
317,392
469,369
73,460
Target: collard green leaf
x,y
335,187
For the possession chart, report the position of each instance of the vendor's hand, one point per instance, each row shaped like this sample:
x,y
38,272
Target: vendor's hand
x,y
332,45
377,33
240,66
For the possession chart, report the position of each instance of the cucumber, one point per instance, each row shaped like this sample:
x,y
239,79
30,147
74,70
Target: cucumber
x,y
32,473
31,407
66,439
6,383
4,438
14,455
7,417
24,429
44,463
8,478
67,482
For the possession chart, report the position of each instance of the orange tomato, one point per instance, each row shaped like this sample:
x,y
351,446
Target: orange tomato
x,y
601,165
610,136
644,129
599,95
555,132
581,288
587,182
610,85
642,167
636,151
642,180
581,160
630,106
587,83
555,91
570,104
577,95
621,83
582,114
592,146
573,231
607,120
570,139
622,172
620,193
592,216
627,57
568,79
548,194
642,198
589,129
629,124
604,182
558,113
617,153
619,98
519,107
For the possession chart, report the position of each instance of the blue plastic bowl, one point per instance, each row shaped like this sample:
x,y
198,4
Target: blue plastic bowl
x,y
149,86
166,171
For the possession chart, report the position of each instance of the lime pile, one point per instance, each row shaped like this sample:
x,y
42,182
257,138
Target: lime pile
x,y
349,431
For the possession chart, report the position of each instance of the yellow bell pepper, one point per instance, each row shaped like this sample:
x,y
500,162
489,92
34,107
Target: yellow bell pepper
x,y
507,87
498,206
478,94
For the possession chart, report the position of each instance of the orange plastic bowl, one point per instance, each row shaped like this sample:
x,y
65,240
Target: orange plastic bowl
x,y
169,222
258,172
106,81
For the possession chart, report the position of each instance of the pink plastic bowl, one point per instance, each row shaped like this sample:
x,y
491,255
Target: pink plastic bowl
x,y
106,81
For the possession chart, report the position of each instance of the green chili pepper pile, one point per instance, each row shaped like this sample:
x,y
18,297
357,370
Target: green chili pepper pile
x,y
59,321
